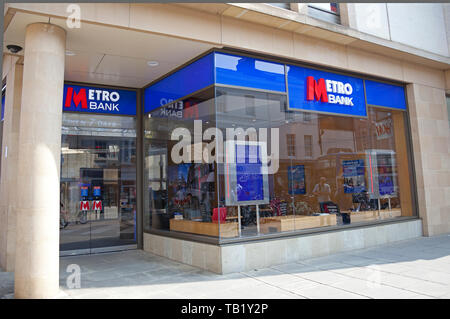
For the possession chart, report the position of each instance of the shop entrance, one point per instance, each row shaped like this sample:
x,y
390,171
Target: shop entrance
x,y
98,183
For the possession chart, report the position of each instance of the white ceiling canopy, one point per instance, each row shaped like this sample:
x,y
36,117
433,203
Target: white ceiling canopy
x,y
112,56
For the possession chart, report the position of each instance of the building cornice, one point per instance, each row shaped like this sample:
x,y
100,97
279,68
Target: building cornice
x,y
301,23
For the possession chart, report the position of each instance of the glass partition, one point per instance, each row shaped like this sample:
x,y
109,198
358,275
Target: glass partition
x,y
179,183
258,119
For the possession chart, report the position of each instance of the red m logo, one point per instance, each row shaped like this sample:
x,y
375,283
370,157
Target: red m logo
x,y
316,89
97,205
84,205
77,98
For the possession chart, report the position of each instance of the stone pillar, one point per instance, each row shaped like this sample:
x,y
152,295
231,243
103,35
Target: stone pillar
x,y
37,236
431,145
9,160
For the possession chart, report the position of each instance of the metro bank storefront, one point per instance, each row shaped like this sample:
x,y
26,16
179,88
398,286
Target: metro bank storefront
x,y
234,162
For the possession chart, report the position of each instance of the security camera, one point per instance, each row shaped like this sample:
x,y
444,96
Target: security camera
x,y
14,48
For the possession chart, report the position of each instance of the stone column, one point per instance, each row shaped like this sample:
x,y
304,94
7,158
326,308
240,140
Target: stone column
x,y
37,235
431,145
9,160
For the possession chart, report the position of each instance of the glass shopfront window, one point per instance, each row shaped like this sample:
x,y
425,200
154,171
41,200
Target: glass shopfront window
x,y
233,118
332,170
231,162
179,185
347,171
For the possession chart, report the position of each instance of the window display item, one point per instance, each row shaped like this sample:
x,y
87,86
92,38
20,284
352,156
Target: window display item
x,y
329,208
296,179
247,174
222,211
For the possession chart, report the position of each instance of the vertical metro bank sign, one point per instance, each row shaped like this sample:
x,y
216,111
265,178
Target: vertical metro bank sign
x,y
87,99
319,91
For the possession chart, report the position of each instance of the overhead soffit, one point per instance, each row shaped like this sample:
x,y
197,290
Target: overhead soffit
x,y
111,56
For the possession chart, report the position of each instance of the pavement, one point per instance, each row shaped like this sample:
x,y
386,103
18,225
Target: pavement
x,y
412,269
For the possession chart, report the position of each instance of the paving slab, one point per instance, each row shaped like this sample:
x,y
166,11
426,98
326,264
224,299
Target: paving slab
x,y
417,268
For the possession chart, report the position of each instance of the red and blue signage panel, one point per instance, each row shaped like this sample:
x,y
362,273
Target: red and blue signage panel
x,y
97,191
193,77
84,190
79,98
386,95
308,90
242,71
325,92
216,68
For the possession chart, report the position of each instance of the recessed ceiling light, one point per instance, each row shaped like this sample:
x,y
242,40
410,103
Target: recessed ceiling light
x,y
70,53
152,63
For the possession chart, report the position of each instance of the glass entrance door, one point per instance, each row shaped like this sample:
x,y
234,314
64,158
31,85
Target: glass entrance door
x,y
98,183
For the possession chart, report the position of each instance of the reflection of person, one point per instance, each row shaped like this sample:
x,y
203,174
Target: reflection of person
x,y
191,202
322,190
206,201
180,192
64,215
340,196
191,207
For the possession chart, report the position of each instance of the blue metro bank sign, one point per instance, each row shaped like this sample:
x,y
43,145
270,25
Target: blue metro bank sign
x,y
325,92
78,98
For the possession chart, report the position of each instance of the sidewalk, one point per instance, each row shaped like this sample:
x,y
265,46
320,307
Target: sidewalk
x,y
418,268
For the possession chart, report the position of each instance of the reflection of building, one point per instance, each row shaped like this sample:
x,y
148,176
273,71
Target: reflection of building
x,y
128,153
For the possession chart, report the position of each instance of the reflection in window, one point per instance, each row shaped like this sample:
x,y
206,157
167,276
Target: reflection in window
x,y
347,174
250,105
180,185
290,141
306,117
325,11
269,67
308,145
